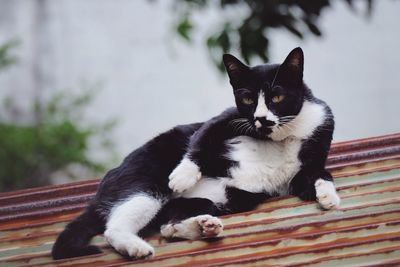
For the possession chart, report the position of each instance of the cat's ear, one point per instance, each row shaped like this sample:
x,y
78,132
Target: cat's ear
x,y
293,66
237,71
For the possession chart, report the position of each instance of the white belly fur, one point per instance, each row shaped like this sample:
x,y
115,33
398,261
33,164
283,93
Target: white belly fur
x,y
264,166
210,188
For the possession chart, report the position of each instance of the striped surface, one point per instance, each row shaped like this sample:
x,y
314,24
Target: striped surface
x,y
283,231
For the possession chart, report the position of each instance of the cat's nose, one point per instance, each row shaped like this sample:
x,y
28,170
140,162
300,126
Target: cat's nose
x,y
263,122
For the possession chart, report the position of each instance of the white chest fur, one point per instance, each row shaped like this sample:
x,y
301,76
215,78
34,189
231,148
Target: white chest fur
x,y
264,166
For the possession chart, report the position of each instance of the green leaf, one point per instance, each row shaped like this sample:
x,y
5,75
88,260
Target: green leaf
x,y
6,59
184,28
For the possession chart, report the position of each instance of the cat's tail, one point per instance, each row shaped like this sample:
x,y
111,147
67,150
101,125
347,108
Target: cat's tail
x,y
74,240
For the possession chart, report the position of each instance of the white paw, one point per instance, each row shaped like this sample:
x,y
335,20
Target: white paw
x,y
168,230
209,226
194,228
184,176
326,194
128,244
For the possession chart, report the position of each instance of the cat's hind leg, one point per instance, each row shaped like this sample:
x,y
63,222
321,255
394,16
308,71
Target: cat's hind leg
x,y
190,218
201,226
126,220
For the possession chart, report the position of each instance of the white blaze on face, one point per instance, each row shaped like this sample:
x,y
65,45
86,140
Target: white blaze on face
x,y
262,111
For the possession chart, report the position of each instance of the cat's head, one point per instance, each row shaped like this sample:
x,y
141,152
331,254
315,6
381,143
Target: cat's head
x,y
269,96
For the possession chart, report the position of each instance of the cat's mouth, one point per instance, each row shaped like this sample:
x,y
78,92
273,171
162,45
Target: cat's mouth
x,y
263,126
264,131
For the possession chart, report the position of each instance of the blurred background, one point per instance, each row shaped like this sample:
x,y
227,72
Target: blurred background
x,y
83,83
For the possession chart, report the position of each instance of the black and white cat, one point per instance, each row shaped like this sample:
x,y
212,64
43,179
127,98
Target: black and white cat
x,y
274,142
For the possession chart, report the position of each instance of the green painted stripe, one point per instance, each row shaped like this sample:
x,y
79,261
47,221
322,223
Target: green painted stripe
x,y
367,178
379,259
367,254
26,231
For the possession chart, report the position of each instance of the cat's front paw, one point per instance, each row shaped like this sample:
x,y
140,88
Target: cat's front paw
x,y
326,194
184,176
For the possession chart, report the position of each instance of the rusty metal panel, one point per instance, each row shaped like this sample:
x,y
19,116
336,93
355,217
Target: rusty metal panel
x,y
282,231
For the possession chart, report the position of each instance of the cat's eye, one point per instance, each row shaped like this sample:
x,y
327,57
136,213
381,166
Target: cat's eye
x,y
278,98
247,101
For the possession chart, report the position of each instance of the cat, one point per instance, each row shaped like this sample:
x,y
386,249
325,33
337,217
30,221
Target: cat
x,y
274,142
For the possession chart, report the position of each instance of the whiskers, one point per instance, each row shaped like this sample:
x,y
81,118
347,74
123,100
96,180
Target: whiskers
x,y
242,126
286,119
284,127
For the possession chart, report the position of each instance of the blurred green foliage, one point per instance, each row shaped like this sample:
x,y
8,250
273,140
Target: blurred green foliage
x,y
6,59
249,35
54,137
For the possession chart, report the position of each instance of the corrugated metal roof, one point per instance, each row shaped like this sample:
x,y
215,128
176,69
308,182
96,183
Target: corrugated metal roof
x,y
283,231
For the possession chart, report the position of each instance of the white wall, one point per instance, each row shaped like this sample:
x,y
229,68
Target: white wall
x,y
355,68
151,81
